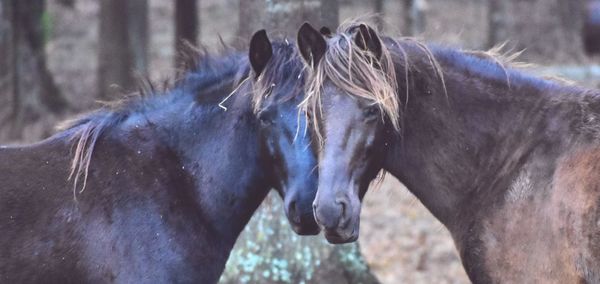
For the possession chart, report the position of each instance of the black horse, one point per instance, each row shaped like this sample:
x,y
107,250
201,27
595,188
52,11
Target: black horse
x,y
164,184
509,163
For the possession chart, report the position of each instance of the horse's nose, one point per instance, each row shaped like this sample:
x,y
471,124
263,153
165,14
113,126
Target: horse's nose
x,y
292,211
331,215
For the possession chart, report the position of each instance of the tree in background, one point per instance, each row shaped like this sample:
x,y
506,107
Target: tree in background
x,y
548,30
27,89
378,6
497,25
123,45
7,59
186,27
268,251
138,34
414,17
251,14
330,14
284,17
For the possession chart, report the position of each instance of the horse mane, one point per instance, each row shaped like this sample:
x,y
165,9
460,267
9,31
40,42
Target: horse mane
x,y
280,70
352,69
357,73
202,70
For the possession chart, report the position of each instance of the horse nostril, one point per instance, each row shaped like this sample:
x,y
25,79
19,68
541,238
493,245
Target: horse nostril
x,y
293,211
344,216
343,204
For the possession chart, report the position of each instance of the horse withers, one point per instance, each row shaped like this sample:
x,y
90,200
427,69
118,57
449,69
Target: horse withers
x,y
164,184
506,161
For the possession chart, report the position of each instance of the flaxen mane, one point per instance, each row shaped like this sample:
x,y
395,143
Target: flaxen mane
x,y
206,72
353,70
358,73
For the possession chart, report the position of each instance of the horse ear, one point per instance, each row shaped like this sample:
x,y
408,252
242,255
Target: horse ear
x,y
311,44
325,31
260,51
367,39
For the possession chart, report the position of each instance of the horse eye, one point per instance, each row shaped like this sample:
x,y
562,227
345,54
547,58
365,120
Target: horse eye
x,y
371,112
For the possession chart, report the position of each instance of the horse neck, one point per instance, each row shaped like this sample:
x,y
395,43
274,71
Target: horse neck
x,y
460,149
220,150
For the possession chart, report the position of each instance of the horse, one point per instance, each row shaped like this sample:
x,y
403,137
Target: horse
x,y
163,184
507,161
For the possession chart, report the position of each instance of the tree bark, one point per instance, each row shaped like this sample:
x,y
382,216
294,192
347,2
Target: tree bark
x,y
28,88
251,15
414,17
548,30
497,29
138,34
286,16
378,7
7,63
115,57
186,27
330,14
268,251
282,18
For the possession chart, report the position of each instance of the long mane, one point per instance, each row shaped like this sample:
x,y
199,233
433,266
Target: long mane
x,y
356,72
352,69
204,71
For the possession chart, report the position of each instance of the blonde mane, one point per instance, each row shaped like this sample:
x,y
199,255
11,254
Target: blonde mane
x,y
355,71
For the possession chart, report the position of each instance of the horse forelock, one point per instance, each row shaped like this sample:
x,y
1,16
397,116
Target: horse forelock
x,y
284,70
356,72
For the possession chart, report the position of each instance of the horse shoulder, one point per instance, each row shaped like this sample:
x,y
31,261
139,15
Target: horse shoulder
x,y
576,199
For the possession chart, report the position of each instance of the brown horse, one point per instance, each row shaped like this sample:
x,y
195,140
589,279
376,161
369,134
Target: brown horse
x,y
509,163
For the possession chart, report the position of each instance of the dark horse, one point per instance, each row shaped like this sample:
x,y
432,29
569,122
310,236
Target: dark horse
x,y
172,179
509,163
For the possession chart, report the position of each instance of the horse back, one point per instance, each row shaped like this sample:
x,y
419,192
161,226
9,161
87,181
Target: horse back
x,y
34,195
133,223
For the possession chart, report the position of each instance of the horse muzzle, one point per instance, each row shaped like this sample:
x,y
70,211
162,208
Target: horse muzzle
x,y
339,219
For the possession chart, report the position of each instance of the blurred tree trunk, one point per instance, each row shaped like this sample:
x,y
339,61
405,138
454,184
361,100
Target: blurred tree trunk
x,y
268,251
414,17
67,3
330,14
251,15
115,57
378,7
497,29
138,34
28,89
591,27
7,59
123,45
286,16
548,30
186,27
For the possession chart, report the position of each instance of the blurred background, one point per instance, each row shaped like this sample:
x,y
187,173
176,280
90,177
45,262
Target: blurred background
x,y
59,57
